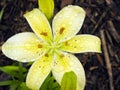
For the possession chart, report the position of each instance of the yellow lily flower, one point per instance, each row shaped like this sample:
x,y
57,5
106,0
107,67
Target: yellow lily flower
x,y
52,49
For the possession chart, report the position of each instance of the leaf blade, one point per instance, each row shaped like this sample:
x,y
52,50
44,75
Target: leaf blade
x,y
69,81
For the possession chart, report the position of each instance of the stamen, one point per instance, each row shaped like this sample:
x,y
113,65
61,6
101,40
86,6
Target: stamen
x,y
66,43
44,33
40,46
46,55
61,30
61,55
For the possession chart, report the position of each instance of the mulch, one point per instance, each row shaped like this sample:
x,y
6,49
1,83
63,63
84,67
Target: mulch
x,y
102,19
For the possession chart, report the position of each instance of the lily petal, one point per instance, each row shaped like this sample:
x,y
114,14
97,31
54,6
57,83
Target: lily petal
x,y
24,47
39,71
67,23
39,24
65,62
82,43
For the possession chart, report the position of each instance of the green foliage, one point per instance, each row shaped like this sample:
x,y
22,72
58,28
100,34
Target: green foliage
x,y
69,81
18,74
1,13
47,7
23,86
50,84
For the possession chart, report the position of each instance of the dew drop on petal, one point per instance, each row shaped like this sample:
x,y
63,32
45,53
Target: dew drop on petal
x,y
70,23
71,63
78,69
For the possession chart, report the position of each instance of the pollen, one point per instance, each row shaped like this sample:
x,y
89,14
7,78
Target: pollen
x,y
40,46
44,33
66,43
46,55
75,47
61,55
61,30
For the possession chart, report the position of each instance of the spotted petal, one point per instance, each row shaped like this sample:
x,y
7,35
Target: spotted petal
x,y
82,43
64,62
67,23
39,71
39,24
24,47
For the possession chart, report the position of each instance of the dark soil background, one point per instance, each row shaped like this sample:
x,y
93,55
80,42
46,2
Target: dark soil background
x,y
102,19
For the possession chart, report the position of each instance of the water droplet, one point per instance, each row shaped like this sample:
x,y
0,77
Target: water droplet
x,y
78,69
71,63
70,23
75,15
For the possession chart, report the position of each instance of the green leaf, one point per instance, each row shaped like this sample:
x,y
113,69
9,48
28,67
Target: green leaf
x,y
1,13
50,84
15,71
69,81
47,7
23,86
5,83
21,72
9,69
14,85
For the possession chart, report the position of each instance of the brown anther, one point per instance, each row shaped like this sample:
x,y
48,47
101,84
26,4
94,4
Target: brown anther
x,y
46,55
61,55
74,46
44,33
66,43
40,46
61,30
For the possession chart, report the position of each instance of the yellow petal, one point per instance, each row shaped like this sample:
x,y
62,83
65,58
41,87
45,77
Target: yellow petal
x,y
24,47
39,24
82,43
39,71
64,62
67,23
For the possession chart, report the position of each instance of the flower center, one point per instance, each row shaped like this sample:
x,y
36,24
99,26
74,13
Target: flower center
x,y
54,45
